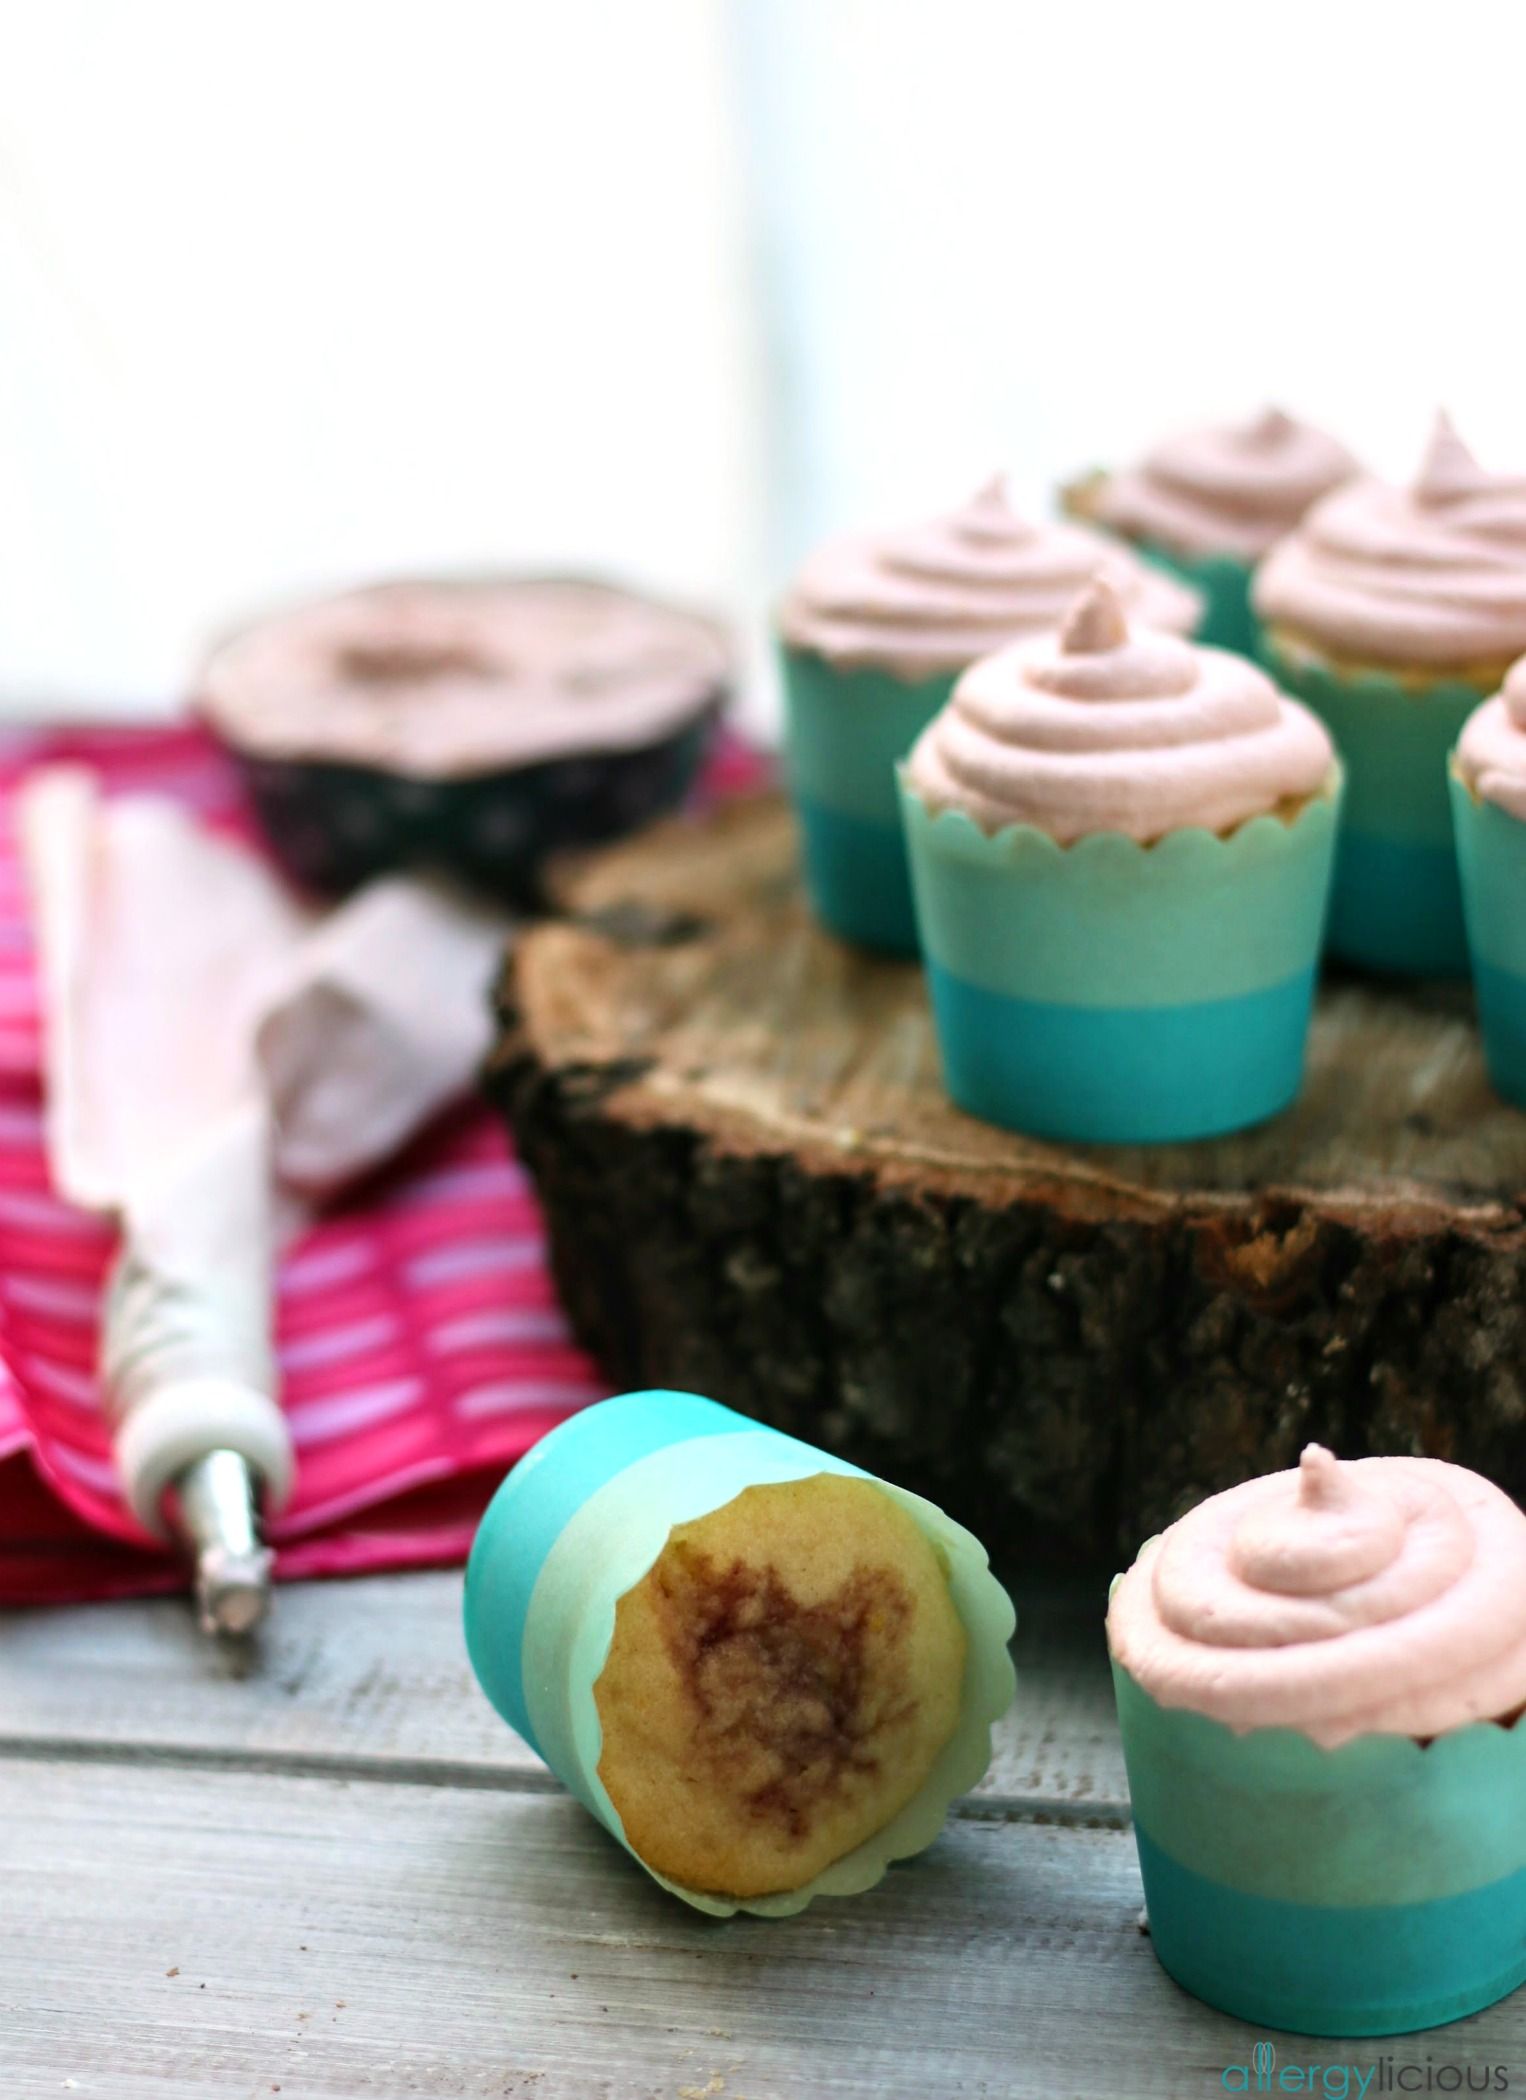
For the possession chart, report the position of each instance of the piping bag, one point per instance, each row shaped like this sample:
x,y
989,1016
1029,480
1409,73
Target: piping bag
x,y
220,1060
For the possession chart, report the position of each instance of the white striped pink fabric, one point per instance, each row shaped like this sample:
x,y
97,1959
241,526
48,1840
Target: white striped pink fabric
x,y
421,1346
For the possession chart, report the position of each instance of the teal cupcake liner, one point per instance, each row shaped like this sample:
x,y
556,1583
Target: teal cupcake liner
x,y
1373,1889
1113,993
847,729
1491,857
1223,583
582,1518
1397,904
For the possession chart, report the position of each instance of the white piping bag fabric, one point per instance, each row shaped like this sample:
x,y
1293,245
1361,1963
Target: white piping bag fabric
x,y
218,1057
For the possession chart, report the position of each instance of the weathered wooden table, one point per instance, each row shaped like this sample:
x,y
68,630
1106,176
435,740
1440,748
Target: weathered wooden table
x,y
333,1873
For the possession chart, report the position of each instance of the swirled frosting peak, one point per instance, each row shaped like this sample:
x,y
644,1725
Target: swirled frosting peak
x,y
1095,624
988,515
1103,726
1448,471
1491,756
1231,489
1432,576
1378,1596
926,602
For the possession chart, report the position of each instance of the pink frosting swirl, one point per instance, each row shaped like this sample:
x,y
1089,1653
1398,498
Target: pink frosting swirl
x,y
1432,576
1230,489
446,679
1379,1596
1491,755
1104,728
929,601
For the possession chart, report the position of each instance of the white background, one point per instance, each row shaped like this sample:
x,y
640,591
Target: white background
x,y
310,289
1047,232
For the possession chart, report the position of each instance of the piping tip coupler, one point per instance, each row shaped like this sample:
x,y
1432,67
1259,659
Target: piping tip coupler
x,y
214,1513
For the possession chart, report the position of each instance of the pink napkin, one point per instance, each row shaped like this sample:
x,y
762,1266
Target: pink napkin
x,y
420,1344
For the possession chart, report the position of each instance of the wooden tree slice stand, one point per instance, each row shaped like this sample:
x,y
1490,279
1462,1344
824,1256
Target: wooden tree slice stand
x,y
755,1187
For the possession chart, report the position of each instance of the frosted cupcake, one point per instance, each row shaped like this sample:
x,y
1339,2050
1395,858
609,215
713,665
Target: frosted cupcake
x,y
1489,809
1121,848
874,632
473,726
765,1672
1393,613
1208,504
1319,1676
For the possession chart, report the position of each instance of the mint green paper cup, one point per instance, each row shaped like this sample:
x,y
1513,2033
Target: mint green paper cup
x,y
1373,1889
1397,903
1111,993
847,730
1223,583
1491,857
581,1519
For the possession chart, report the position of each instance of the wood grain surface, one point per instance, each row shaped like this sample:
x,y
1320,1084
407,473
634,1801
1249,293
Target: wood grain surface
x,y
755,1187
366,1677
329,1872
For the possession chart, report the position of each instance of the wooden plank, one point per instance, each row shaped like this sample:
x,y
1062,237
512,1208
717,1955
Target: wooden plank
x,y
371,1671
373,1675
376,1937
172,1934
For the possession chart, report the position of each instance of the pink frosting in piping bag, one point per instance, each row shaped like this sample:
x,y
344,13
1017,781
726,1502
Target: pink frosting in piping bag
x,y
1372,1596
928,601
1491,756
1433,575
1104,727
1230,489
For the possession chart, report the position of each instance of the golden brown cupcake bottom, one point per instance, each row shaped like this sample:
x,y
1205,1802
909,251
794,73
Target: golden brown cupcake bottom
x,y
1299,650
780,1684
1081,499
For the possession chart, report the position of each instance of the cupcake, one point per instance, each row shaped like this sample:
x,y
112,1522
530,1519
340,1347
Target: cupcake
x,y
468,726
874,632
1489,810
766,1673
1393,613
1208,504
1320,1675
1121,845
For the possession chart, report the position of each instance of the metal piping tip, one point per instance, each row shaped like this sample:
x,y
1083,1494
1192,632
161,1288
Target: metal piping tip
x,y
214,1512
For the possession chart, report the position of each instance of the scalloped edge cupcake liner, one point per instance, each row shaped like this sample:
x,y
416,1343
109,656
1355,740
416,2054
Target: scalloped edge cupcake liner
x,y
846,730
1397,903
1372,1889
334,826
582,1518
1491,856
1107,992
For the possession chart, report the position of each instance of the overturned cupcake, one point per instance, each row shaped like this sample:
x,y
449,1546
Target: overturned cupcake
x,y
765,1672
469,726
1319,1679
1121,846
1207,504
874,632
1393,613
1489,815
